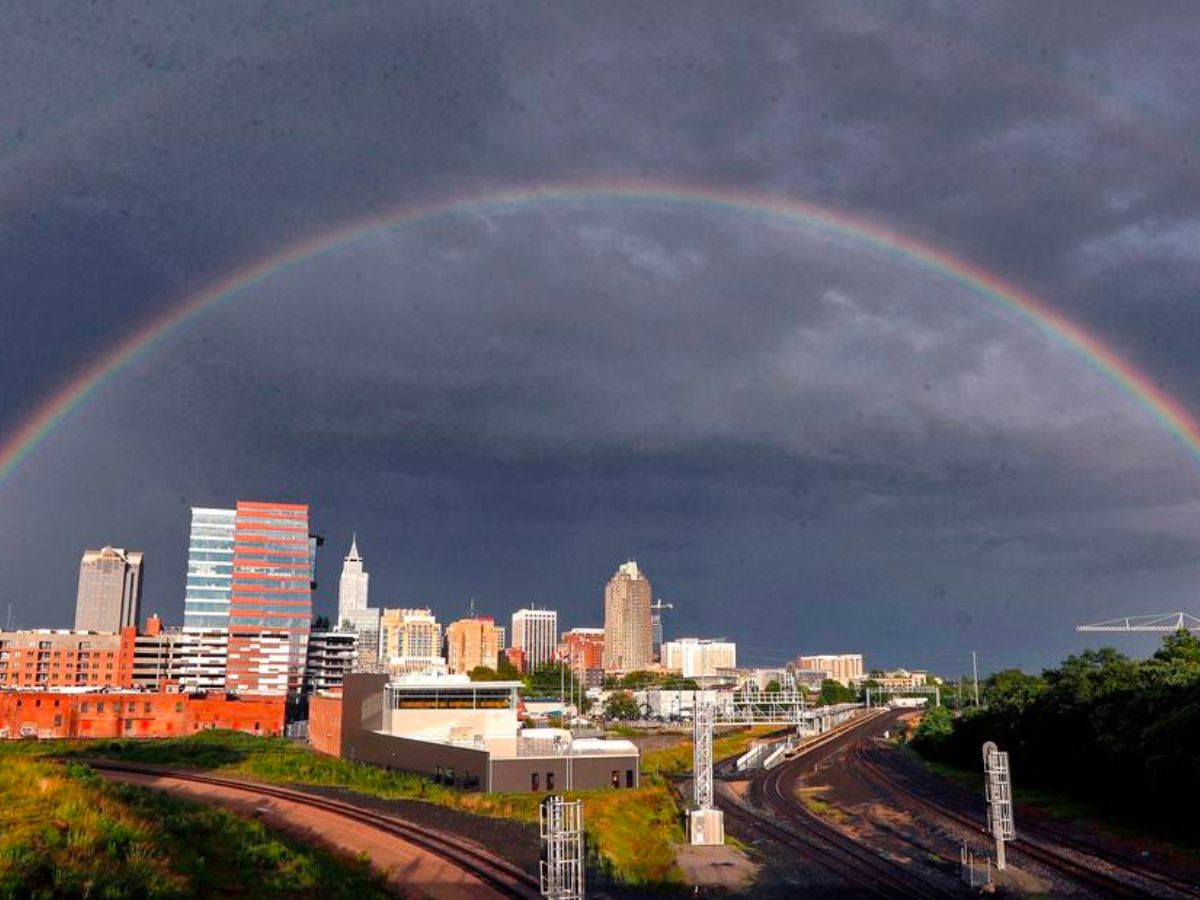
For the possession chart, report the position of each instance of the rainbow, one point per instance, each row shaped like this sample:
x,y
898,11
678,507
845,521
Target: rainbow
x,y
1169,412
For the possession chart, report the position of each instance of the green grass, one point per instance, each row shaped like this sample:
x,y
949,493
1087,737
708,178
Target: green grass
x,y
65,832
276,760
678,760
816,804
632,833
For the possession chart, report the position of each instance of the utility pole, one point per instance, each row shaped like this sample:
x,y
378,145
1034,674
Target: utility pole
x,y
975,674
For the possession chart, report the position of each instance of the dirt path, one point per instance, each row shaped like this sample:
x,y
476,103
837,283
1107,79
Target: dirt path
x,y
416,871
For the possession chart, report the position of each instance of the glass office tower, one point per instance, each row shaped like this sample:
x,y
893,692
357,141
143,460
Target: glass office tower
x,y
210,569
248,602
270,609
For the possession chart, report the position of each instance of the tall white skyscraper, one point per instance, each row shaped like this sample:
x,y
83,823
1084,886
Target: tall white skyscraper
x,y
535,633
353,613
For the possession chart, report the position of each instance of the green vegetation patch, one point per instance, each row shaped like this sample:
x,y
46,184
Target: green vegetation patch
x,y
632,834
1068,730
275,760
678,760
65,832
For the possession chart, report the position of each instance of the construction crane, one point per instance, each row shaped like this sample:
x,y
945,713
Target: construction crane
x,y
1167,622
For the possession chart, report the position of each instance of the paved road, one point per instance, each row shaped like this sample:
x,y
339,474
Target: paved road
x,y
417,871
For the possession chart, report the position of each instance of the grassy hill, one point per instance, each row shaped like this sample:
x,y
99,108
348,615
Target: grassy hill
x,y
65,832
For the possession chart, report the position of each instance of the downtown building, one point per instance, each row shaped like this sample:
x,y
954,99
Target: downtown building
x,y
698,657
115,713
471,643
411,641
248,600
352,645
50,659
354,615
535,634
844,668
628,636
583,650
150,659
110,590
332,655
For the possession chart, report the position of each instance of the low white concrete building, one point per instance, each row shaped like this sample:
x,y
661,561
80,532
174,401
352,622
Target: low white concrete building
x,y
467,733
679,704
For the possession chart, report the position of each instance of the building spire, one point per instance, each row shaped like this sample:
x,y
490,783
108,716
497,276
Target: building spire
x,y
353,546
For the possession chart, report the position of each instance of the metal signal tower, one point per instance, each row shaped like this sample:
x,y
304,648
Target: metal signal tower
x,y
998,791
562,849
706,821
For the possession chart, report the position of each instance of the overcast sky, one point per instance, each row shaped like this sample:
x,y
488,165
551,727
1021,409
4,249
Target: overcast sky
x,y
808,444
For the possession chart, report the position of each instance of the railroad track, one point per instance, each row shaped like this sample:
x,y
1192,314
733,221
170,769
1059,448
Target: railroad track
x,y
819,841
1032,842
488,867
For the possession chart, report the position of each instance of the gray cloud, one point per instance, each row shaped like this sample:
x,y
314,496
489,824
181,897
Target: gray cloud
x,y
506,403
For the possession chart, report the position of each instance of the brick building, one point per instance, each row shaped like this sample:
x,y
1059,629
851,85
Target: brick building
x,y
46,658
583,650
141,714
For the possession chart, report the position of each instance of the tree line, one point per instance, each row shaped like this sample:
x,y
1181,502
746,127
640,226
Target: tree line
x,y
1101,727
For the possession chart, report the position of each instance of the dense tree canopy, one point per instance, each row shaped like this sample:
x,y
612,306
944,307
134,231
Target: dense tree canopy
x,y
548,680
835,692
621,705
504,671
642,680
1101,726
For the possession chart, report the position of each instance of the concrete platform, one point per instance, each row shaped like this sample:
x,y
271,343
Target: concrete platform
x,y
717,867
706,827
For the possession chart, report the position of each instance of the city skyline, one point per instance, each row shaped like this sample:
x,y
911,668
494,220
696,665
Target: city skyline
x,y
215,528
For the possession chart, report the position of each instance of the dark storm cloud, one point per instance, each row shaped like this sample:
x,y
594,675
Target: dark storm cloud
x,y
508,404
